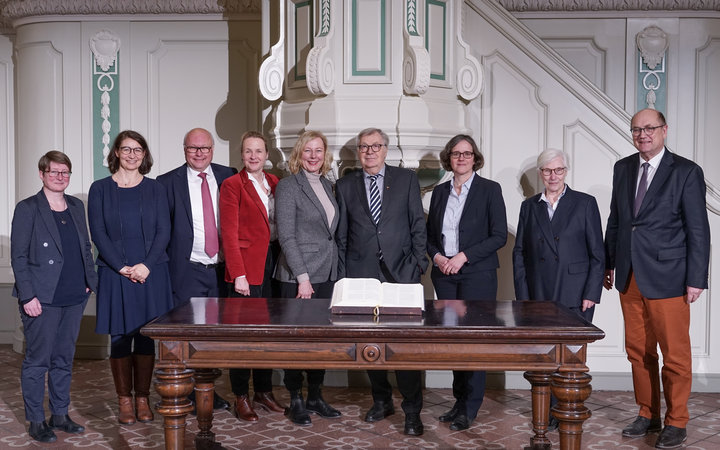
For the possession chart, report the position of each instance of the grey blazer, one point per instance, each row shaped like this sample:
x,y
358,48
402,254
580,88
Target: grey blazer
x,y
36,250
307,240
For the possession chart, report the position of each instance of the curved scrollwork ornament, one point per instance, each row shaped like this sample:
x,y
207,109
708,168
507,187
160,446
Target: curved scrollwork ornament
x,y
416,59
320,68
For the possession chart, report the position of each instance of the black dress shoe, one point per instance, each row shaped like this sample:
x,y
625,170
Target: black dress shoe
x,y
671,437
64,423
321,408
296,412
642,426
461,422
413,425
379,411
450,415
219,402
41,432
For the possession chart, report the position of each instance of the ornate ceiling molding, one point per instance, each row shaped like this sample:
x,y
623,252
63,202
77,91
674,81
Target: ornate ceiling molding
x,y
17,9
609,5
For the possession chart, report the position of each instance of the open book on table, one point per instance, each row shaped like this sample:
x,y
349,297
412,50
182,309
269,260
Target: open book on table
x,y
370,296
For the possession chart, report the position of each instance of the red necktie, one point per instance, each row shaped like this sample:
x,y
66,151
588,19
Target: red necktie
x,y
211,235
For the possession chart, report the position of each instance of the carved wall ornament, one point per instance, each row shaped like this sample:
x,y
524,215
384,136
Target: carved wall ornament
x,y
16,9
416,59
608,5
320,68
652,43
105,46
271,75
469,79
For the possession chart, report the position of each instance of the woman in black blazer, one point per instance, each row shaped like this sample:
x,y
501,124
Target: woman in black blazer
x,y
54,271
466,227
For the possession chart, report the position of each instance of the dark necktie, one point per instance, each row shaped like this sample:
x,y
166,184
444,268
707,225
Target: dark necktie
x,y
212,245
375,203
642,189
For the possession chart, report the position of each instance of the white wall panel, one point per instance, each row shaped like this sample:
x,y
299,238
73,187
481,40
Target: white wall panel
x,y
7,156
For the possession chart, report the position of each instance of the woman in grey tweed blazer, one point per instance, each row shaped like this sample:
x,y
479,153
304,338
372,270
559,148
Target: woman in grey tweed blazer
x,y
307,215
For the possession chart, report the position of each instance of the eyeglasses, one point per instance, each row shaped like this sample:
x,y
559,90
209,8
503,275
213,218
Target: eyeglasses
x,y
58,173
649,131
364,148
557,170
458,155
193,149
128,150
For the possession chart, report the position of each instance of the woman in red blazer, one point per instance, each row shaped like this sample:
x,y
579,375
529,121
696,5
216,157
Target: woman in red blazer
x,y
249,241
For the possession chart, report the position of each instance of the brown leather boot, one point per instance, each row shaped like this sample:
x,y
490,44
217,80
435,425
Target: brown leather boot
x,y
122,376
244,410
143,374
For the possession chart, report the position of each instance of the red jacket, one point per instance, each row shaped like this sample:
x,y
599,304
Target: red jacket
x,y
244,228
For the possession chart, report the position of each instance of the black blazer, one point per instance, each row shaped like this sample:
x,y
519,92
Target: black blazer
x,y
181,235
400,232
483,224
562,260
36,251
667,245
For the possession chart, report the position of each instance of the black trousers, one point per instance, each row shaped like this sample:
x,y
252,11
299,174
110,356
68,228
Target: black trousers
x,y
294,377
468,386
262,378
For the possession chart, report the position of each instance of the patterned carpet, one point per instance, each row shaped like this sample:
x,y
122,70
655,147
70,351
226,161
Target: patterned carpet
x,y
503,422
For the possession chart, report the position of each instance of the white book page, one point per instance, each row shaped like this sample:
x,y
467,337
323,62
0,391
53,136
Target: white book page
x,y
356,292
403,295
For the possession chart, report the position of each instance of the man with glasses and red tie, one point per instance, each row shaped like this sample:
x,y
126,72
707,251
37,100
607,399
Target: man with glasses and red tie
x,y
196,264
657,246
381,234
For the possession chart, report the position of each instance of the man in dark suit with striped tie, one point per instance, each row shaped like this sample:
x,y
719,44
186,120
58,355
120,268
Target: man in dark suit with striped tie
x,y
381,234
657,247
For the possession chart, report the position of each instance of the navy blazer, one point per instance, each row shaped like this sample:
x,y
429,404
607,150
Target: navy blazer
x,y
106,224
182,234
36,250
306,238
562,260
483,224
400,232
667,246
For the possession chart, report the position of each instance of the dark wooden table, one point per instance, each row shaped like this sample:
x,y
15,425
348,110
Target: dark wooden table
x,y
548,342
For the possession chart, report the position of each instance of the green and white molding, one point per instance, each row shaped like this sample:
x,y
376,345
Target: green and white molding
x,y
105,46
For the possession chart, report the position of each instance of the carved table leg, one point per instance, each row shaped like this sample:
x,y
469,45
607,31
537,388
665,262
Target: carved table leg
x,y
571,390
204,392
540,382
174,385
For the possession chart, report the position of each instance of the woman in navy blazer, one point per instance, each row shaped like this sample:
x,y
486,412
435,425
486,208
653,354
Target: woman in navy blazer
x,y
559,254
559,257
130,225
307,217
54,271
466,227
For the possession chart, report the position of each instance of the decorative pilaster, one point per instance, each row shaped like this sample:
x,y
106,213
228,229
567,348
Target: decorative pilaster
x,y
652,42
105,46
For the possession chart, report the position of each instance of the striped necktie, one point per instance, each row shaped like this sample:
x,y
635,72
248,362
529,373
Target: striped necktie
x,y
375,203
641,190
